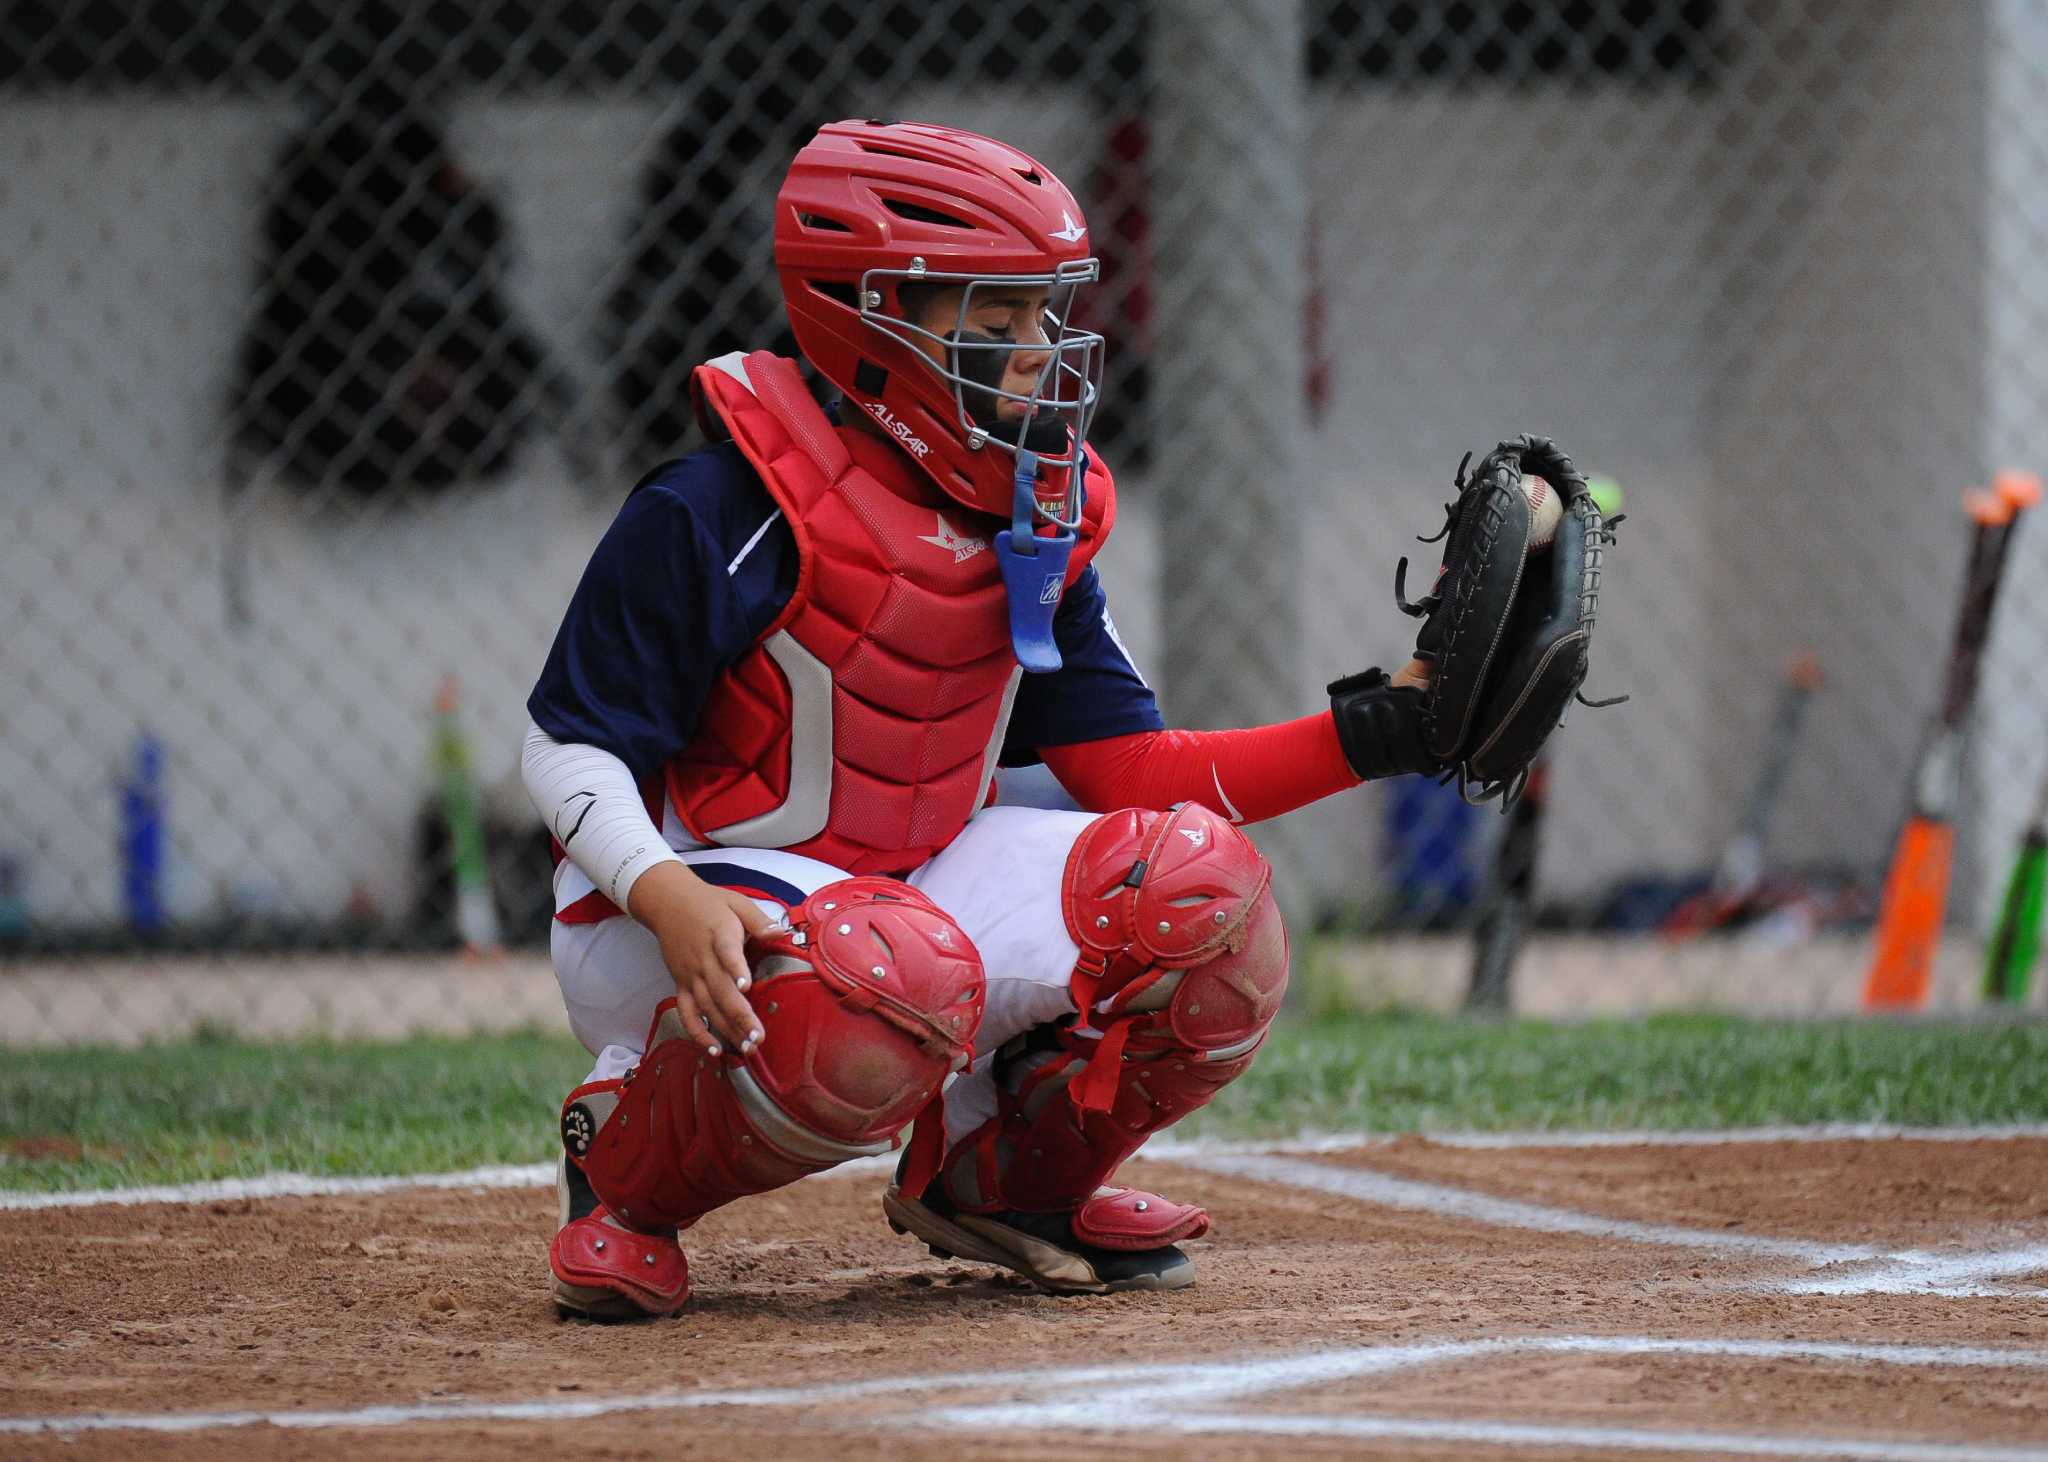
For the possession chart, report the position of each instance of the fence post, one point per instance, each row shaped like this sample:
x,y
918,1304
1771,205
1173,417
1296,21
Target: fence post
x,y
1227,154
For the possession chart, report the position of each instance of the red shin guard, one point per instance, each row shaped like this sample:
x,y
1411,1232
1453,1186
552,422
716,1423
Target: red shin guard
x,y
1183,966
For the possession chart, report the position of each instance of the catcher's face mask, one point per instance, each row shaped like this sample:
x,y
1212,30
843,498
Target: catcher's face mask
x,y
1044,411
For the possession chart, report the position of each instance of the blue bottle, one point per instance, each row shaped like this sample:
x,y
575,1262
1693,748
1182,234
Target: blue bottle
x,y
142,838
13,906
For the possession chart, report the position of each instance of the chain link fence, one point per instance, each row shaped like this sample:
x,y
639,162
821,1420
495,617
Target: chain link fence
x,y
331,338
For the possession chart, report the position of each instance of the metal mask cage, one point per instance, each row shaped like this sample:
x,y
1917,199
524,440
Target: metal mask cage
x,y
1068,386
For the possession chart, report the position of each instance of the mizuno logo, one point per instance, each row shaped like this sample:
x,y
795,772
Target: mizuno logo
x,y
964,546
1195,835
1072,232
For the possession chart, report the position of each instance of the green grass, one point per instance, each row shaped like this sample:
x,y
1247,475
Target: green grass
x,y
1423,1073
222,1108
218,1108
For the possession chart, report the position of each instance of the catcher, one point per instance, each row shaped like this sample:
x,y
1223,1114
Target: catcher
x,y
791,927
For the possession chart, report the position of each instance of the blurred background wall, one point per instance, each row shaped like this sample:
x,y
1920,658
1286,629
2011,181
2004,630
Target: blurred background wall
x,y
1775,267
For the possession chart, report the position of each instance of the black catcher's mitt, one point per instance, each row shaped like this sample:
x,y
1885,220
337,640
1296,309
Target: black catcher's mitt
x,y
1506,632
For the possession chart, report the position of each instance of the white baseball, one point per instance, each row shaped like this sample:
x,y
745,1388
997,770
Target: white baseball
x,y
1546,510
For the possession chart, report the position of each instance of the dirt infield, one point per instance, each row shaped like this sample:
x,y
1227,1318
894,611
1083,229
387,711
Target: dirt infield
x,y
1859,1299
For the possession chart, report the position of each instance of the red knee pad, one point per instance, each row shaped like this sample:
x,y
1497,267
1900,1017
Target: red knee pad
x,y
1174,913
1183,967
1149,893
868,997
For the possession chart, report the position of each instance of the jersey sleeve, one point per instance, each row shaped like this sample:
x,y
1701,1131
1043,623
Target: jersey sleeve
x,y
1097,691
686,577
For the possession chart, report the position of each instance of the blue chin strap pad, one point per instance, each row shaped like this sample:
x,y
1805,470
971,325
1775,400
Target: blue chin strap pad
x,y
1034,573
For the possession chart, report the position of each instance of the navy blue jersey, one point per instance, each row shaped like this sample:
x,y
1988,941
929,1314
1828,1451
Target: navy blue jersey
x,y
698,563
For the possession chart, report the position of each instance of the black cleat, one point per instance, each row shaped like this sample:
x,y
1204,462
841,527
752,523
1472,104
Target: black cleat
x,y
1039,1246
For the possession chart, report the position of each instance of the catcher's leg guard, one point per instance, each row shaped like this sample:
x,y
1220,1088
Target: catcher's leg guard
x,y
868,997
1183,962
604,1270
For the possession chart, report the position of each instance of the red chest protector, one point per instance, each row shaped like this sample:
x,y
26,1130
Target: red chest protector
x,y
863,728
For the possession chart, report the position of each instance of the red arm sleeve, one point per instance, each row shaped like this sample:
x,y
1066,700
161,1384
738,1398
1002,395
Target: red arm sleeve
x,y
1247,775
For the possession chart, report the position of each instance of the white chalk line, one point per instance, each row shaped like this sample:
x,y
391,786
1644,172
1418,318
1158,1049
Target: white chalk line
x,y
1156,1397
540,1175
1165,1405
1876,1270
304,1185
1521,1436
1920,1272
285,1185
1413,1195
1883,1271
549,1410
1814,1132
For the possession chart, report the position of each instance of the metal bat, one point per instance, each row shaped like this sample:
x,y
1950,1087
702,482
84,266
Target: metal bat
x,y
1739,874
1916,890
2016,938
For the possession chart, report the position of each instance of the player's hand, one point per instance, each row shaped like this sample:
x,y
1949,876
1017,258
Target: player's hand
x,y
703,932
1415,673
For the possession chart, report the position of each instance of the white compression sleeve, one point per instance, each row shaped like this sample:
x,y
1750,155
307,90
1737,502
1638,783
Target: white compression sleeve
x,y
588,800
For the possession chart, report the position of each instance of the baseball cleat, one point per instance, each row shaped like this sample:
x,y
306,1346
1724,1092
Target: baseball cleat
x,y
1045,1247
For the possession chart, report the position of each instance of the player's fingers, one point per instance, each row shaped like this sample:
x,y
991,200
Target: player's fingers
x,y
693,1020
1415,673
729,954
732,1014
732,1017
752,921
753,918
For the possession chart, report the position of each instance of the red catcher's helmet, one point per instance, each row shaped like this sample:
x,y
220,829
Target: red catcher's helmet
x,y
868,207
